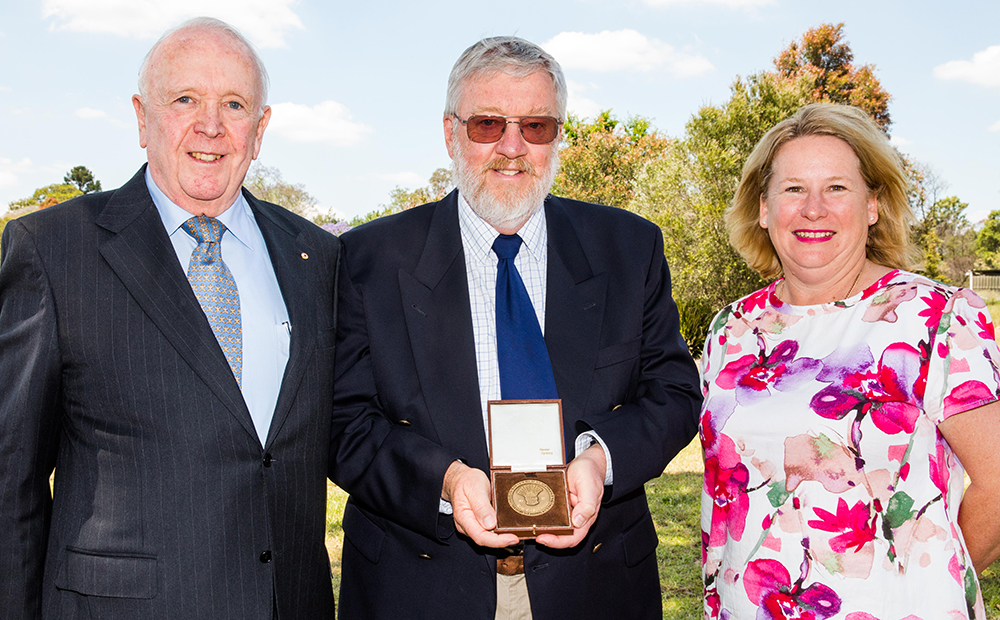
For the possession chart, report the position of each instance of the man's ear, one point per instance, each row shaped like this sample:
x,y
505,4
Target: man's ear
x,y
449,127
140,116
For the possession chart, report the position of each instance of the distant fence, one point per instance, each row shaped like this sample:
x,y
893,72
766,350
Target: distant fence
x,y
984,280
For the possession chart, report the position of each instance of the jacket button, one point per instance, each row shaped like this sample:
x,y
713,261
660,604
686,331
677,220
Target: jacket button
x,y
403,422
424,556
267,459
265,558
596,548
616,407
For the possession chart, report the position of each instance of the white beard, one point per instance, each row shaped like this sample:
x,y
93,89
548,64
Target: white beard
x,y
500,208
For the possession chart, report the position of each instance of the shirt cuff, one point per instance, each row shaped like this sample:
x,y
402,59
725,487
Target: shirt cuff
x,y
588,438
445,507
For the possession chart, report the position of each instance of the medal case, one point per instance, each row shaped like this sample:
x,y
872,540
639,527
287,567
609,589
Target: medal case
x,y
528,467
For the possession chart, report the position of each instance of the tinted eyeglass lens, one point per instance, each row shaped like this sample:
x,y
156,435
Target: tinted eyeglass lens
x,y
486,129
535,129
539,129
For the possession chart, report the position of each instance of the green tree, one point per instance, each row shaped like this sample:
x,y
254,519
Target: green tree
x,y
988,243
46,197
687,191
266,183
400,199
947,240
83,179
601,160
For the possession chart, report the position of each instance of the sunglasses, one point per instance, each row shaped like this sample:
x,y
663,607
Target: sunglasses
x,y
489,129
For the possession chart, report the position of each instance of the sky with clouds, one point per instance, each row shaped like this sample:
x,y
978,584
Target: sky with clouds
x,y
357,89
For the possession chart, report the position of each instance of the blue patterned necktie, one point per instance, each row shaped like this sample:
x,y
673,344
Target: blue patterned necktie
x,y
525,369
215,289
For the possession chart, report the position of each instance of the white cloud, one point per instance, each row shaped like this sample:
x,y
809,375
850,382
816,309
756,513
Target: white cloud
x,y
622,50
9,170
404,179
983,69
90,113
328,121
995,126
900,141
5,89
578,104
265,22
732,4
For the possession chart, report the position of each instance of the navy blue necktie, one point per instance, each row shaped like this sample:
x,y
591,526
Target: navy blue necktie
x,y
525,369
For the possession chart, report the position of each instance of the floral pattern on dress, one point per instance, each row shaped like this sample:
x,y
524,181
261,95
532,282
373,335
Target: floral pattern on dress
x,y
826,481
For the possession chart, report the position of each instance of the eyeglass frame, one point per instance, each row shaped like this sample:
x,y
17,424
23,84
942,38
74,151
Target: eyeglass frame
x,y
507,121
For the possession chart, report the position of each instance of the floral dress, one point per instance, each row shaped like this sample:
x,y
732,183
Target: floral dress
x,y
828,491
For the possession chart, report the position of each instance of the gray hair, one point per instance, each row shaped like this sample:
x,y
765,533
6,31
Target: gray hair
x,y
511,55
210,24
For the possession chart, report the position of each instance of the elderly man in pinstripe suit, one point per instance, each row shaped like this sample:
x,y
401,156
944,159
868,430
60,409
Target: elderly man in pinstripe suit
x,y
167,348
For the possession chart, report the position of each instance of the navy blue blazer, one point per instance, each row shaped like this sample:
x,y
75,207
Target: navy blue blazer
x,y
405,347
166,505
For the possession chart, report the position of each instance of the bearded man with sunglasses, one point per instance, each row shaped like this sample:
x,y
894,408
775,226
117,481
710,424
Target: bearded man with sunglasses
x,y
424,339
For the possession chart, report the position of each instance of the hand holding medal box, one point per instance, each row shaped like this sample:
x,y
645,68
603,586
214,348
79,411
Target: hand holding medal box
x,y
528,467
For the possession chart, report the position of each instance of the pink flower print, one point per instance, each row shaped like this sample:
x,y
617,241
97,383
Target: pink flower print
x,y
884,307
888,393
753,376
726,479
985,325
936,302
854,522
768,585
968,395
757,299
940,475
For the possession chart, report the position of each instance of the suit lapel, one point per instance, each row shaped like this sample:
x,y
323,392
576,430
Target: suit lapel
x,y
439,324
141,255
574,312
297,279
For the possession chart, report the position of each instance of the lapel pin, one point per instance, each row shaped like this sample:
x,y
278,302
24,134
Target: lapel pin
x,y
304,256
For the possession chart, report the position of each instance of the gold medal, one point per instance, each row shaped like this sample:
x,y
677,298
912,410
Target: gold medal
x,y
531,497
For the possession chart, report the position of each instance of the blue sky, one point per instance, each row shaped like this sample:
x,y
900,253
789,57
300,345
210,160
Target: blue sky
x,y
358,88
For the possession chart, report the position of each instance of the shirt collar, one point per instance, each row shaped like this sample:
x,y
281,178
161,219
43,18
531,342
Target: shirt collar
x,y
238,218
479,236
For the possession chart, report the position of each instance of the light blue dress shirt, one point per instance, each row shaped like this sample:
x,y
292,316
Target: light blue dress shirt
x,y
266,329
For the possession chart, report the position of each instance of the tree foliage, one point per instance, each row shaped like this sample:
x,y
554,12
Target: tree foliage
x,y
437,188
266,183
400,199
83,179
823,60
601,160
47,196
988,243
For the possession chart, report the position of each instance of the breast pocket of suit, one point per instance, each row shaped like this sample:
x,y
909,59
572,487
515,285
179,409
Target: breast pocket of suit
x,y
106,574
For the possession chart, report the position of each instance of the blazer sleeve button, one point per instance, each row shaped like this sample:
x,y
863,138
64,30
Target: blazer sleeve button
x,y
424,556
403,422
596,548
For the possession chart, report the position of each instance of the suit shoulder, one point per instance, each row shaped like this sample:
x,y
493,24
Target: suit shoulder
x,y
86,207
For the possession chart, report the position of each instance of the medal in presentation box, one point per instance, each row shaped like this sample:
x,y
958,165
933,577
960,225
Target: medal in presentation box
x,y
528,467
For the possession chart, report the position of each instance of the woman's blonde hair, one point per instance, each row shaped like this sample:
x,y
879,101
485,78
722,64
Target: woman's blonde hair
x,y
881,167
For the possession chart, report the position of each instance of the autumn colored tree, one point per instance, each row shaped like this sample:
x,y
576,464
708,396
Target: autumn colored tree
x,y
824,60
601,159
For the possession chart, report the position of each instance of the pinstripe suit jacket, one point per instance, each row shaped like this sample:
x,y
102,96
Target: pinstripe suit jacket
x,y
165,504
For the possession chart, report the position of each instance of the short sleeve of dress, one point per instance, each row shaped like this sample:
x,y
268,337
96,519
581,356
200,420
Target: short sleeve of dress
x,y
964,360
